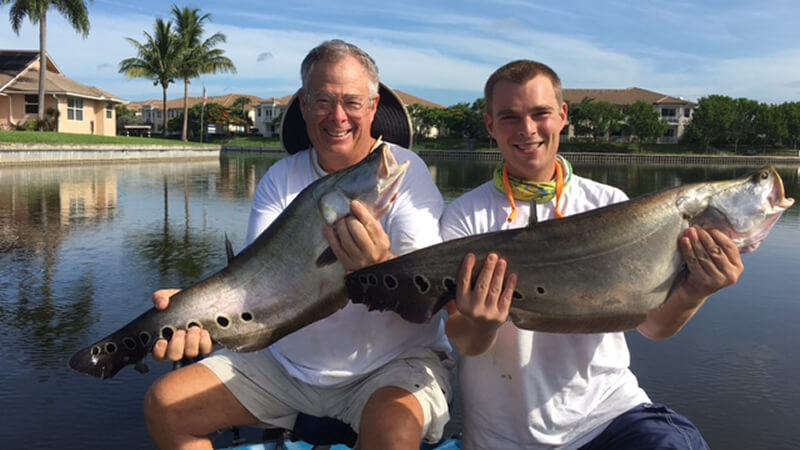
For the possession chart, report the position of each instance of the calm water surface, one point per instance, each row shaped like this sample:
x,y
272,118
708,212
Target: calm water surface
x,y
83,247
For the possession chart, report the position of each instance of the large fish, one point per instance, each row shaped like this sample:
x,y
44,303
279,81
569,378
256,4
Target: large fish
x,y
598,271
286,279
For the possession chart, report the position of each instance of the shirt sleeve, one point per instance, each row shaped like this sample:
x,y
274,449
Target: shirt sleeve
x,y
267,205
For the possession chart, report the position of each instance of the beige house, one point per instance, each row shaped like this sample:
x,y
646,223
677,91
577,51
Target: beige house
x,y
677,112
80,108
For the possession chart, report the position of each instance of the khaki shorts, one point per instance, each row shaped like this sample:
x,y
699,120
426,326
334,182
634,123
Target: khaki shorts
x,y
262,386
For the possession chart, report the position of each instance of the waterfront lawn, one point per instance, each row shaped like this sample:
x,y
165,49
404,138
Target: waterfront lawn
x,y
49,137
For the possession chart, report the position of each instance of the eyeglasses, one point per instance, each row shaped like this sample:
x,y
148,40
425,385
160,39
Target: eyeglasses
x,y
323,103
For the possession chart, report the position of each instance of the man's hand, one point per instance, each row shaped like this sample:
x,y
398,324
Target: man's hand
x,y
477,312
713,261
486,305
184,343
358,240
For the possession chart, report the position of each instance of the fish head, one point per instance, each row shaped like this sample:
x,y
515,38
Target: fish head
x,y
375,182
746,209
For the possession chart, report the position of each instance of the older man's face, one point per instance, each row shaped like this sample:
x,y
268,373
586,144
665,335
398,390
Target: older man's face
x,y
338,109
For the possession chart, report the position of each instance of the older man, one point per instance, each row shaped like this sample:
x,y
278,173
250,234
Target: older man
x,y
386,378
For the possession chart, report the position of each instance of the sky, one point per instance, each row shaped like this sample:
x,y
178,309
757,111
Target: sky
x,y
444,51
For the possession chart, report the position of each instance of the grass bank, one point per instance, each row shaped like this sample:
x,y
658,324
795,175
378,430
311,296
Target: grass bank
x,y
45,137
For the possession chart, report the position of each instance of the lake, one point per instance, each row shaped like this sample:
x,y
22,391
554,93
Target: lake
x,y
83,247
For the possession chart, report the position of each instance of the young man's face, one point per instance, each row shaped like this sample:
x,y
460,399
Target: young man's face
x,y
526,122
338,110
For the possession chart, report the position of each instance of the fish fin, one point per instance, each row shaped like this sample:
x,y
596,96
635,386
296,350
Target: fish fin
x,y
141,366
326,258
228,248
533,219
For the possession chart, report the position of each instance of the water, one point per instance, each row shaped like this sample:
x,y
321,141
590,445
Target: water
x,y
82,248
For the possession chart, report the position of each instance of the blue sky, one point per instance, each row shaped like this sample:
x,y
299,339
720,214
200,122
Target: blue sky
x,y
445,50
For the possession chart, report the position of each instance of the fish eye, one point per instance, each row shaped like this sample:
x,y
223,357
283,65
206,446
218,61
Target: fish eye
x,y
764,174
247,317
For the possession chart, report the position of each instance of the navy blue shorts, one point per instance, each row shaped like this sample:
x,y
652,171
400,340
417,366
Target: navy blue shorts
x,y
649,426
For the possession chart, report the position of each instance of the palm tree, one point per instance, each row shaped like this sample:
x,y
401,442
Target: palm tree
x,y
199,56
157,59
76,13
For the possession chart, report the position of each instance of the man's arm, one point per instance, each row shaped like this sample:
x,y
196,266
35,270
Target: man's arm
x,y
713,262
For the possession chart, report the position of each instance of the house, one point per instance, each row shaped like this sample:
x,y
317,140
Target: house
x,y
151,111
268,115
677,112
80,108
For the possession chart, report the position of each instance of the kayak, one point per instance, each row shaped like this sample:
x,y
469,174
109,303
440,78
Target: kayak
x,y
445,444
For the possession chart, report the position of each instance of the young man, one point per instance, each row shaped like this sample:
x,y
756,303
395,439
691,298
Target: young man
x,y
525,389
388,379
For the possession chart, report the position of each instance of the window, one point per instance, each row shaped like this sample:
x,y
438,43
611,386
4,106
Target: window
x,y
75,109
31,104
668,112
687,112
670,132
109,111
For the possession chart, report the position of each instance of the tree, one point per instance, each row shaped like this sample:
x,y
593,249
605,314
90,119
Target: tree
x,y
595,119
76,13
199,56
791,112
157,59
743,125
713,119
771,124
644,122
240,105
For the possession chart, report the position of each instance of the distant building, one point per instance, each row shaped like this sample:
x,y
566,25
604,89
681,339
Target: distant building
x,y
78,108
151,111
677,112
409,100
269,114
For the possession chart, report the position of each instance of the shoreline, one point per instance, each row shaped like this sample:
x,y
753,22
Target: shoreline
x,y
38,154
42,154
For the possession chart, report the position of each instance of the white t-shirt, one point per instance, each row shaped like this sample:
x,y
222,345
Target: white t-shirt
x,y
539,390
354,341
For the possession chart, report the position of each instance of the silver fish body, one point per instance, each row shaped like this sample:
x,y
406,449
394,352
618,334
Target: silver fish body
x,y
599,271
286,279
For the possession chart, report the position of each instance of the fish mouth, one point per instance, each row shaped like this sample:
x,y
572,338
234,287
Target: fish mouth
x,y
390,176
777,198
776,203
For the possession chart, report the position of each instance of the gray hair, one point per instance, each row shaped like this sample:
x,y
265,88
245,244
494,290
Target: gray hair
x,y
333,51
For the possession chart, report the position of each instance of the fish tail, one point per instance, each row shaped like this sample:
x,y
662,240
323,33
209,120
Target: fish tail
x,y
106,357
